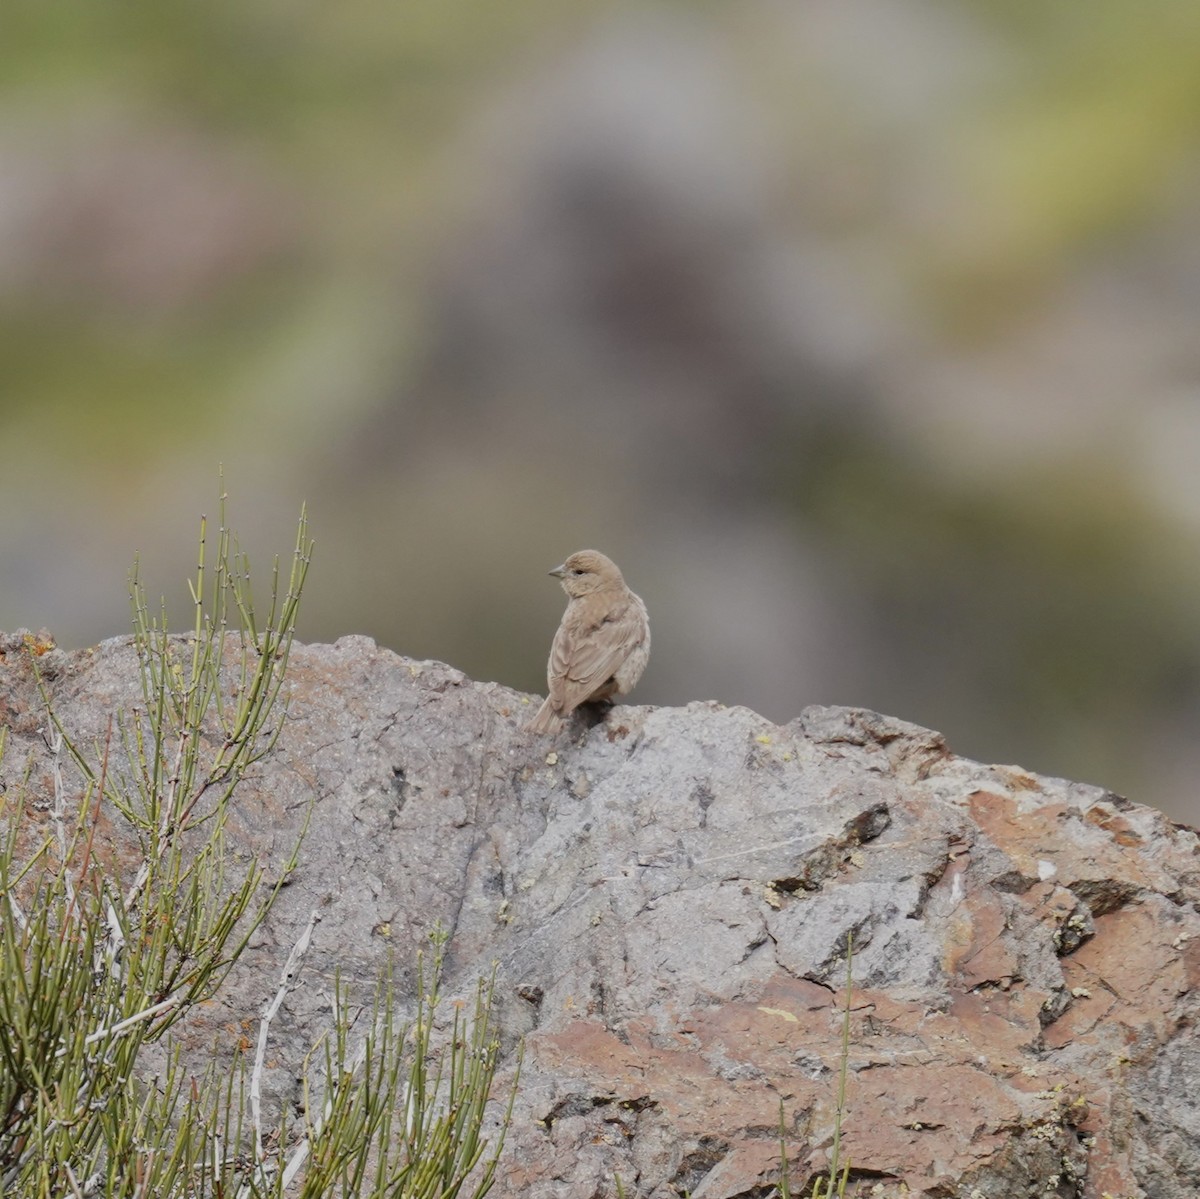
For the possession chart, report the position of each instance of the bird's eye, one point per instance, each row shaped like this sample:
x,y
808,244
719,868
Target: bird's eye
x,y
577,571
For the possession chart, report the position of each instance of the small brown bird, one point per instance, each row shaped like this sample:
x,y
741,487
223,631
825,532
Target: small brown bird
x,y
602,644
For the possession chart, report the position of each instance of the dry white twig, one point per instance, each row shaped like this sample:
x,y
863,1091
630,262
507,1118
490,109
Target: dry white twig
x,y
72,1181
18,915
123,1026
114,939
290,967
58,814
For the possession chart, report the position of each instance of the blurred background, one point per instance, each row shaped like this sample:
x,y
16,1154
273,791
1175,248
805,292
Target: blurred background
x,y
863,334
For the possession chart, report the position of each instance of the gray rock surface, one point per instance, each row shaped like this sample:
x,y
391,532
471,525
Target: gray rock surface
x,y
668,894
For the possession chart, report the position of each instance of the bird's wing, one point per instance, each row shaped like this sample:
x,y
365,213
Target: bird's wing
x,y
588,649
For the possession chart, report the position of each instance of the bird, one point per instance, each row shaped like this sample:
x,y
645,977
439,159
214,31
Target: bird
x,y
602,643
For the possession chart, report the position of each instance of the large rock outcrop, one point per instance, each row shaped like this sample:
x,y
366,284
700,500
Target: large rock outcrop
x,y
668,894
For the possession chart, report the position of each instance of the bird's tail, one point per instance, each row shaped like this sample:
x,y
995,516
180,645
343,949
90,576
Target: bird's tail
x,y
547,720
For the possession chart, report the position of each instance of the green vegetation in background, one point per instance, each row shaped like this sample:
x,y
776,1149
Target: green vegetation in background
x,y
1041,593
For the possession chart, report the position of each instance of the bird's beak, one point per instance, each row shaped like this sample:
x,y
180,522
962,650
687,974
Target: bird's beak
x,y
559,571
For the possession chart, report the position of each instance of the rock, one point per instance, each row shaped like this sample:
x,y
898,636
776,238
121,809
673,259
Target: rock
x,y
668,894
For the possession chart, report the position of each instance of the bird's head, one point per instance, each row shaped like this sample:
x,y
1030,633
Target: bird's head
x,y
587,571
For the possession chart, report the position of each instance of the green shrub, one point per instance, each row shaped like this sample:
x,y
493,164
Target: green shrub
x,y
99,962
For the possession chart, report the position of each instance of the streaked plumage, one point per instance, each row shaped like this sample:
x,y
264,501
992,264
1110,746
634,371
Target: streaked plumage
x,y
602,644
